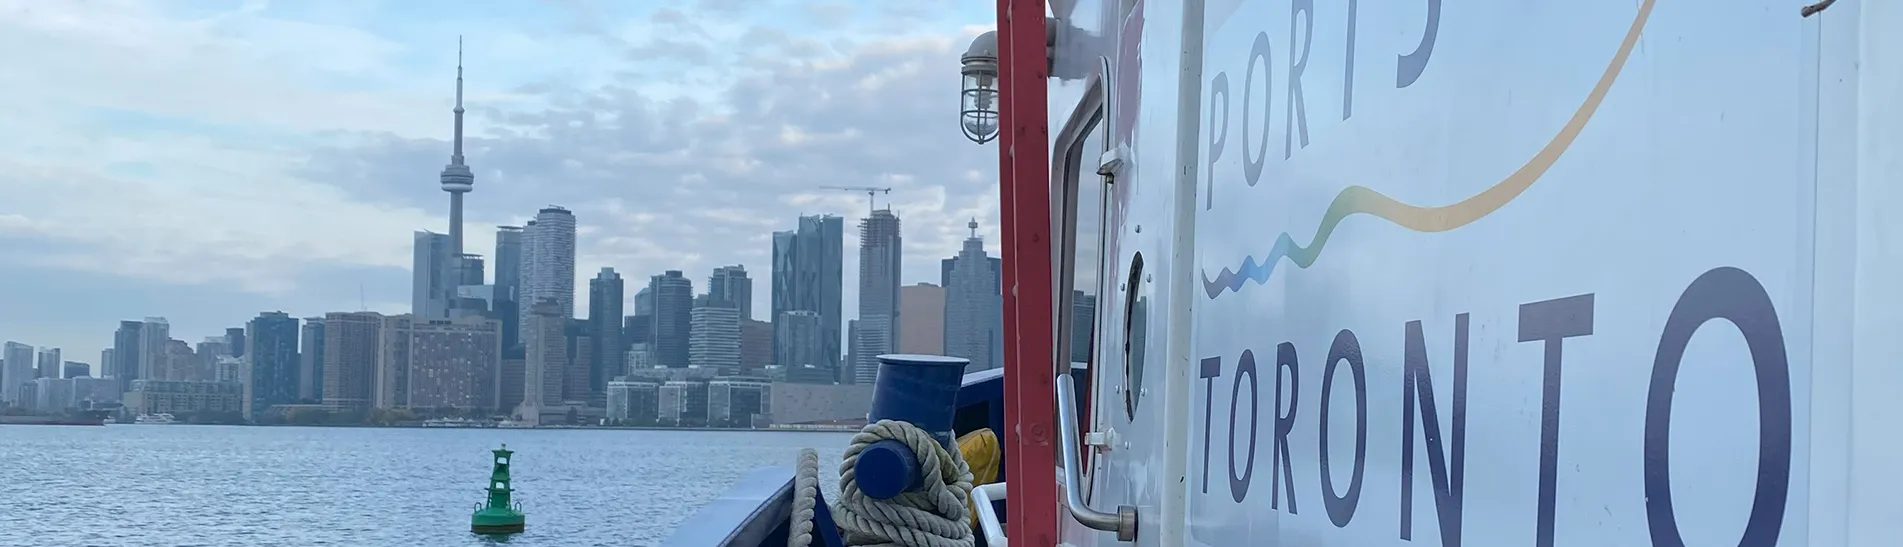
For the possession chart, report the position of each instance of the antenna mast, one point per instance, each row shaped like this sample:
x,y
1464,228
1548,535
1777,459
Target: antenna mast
x,y
456,157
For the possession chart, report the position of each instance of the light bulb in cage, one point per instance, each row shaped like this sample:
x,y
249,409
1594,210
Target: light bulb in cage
x,y
978,106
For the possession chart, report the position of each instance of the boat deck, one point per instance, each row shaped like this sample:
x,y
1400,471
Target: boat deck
x,y
757,510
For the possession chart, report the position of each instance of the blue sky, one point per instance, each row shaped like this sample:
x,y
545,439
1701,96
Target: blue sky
x,y
208,160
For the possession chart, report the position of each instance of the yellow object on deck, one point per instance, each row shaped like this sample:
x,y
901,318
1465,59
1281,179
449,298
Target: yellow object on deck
x,y
984,456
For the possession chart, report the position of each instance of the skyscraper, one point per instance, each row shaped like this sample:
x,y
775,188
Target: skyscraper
x,y
673,296
548,262
235,341
508,382
756,344
808,268
350,359
390,377
437,363
49,363
923,306
214,350
714,339
274,362
974,306
18,371
508,281
605,295
125,365
310,361
997,267
730,287
154,355
547,352
578,338
880,249
182,364
797,348
637,329
852,352
431,288
469,296
644,302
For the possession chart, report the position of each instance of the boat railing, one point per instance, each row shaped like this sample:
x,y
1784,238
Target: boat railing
x,y
988,524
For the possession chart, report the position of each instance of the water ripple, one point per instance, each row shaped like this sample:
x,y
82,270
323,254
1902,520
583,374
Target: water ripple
x,y
255,486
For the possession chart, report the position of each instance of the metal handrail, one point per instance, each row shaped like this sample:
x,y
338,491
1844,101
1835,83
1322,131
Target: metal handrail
x,y
988,524
1124,521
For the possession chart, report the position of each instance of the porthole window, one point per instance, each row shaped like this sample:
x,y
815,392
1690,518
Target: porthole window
x,y
1136,307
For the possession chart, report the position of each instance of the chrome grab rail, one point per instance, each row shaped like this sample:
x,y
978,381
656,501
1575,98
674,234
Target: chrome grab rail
x,y
988,524
1124,521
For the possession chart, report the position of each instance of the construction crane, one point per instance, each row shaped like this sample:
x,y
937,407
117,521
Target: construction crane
x,y
870,191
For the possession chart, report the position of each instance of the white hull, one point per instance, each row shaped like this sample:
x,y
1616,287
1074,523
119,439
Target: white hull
x,y
155,419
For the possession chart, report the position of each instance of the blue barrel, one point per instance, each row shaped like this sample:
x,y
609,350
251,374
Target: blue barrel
x,y
918,389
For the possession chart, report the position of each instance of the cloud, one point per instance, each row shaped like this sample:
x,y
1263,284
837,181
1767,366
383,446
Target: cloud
x,y
829,14
721,7
284,159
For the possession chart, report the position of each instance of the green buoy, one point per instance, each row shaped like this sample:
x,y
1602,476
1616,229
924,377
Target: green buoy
x,y
498,516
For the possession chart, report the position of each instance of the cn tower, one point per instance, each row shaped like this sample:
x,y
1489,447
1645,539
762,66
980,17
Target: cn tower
x,y
457,179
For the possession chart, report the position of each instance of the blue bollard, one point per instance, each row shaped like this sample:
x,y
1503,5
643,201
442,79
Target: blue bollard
x,y
918,389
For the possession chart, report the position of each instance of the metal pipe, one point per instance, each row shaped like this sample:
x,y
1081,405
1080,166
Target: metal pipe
x,y
1124,521
982,496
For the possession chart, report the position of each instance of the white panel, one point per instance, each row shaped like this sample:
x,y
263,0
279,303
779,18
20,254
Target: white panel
x,y
1875,506
1557,236
1832,42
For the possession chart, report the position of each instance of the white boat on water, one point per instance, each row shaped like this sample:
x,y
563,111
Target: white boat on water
x,y
161,418
451,422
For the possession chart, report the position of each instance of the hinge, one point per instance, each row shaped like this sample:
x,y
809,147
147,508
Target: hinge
x,y
1113,159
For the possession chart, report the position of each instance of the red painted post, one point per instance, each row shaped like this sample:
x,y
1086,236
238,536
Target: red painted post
x,y
1007,139
1024,179
1007,213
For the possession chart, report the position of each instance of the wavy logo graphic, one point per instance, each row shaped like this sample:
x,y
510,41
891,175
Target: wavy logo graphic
x,y
1357,200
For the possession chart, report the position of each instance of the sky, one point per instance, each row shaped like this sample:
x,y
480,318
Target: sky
x,y
205,161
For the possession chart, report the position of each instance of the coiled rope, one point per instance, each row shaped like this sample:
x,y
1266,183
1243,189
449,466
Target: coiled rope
x,y
935,516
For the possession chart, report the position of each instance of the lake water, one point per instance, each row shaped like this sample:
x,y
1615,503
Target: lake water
x,y
184,485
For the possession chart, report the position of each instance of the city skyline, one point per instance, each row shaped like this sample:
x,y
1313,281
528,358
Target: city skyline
x,y
311,209
581,296
452,349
